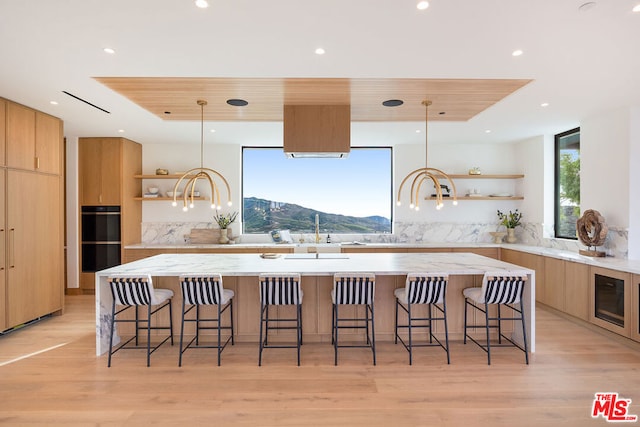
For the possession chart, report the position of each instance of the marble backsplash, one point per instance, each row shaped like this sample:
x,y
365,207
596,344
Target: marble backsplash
x,y
616,245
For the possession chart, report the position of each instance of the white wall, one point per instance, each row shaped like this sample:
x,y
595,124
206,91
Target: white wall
x,y
604,166
73,220
634,184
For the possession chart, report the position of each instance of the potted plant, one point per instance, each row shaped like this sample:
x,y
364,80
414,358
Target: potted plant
x,y
511,221
224,221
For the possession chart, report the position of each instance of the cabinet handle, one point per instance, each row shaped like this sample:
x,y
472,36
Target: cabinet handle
x,y
12,241
37,162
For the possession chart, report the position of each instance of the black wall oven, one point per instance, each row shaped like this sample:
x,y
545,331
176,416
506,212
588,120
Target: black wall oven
x,y
100,237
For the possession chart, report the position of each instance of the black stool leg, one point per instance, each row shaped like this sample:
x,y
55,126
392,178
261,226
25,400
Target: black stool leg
x,y
410,335
113,320
486,316
373,335
181,334
262,310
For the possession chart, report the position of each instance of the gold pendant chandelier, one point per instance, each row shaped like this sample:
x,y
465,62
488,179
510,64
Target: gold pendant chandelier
x,y
193,175
419,176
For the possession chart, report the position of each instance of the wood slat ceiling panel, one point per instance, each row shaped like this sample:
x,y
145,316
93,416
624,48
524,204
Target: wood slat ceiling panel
x,y
459,99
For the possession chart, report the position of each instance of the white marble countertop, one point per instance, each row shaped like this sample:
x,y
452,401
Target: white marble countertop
x,y
378,263
620,264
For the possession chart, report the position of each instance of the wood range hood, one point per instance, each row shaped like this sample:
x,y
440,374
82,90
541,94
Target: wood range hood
x,y
317,131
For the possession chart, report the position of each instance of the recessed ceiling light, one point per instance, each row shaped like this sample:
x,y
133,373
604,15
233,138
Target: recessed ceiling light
x,y
418,131
213,130
544,104
517,52
636,8
392,102
319,51
487,131
109,50
237,102
53,102
202,4
120,130
422,5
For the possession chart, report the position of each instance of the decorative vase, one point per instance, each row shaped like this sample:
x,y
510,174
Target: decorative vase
x,y
498,236
511,235
224,237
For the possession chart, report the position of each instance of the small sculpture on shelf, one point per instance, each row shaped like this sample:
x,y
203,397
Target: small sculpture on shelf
x,y
592,232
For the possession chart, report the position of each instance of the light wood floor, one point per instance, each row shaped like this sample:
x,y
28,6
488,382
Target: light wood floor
x,y
69,386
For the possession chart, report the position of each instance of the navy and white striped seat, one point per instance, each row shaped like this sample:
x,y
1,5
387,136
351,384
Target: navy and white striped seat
x,y
500,289
425,289
199,290
133,291
353,289
280,289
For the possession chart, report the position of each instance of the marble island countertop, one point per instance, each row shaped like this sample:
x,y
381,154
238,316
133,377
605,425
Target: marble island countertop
x,y
621,264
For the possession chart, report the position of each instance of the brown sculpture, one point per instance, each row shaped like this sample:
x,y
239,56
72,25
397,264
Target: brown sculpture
x,y
592,231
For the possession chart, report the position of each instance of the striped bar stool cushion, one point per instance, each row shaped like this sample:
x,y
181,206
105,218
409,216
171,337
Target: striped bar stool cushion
x,y
423,288
353,288
497,288
137,290
280,289
204,289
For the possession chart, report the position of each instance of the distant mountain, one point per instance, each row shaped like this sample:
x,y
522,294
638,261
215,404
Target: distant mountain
x,y
262,216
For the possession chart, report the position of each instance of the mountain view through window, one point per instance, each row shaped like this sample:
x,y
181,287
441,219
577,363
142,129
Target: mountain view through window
x,y
351,195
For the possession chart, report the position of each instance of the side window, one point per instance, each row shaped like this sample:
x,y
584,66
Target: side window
x,y
567,183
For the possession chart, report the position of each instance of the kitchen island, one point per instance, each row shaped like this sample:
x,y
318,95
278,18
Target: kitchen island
x,y
240,273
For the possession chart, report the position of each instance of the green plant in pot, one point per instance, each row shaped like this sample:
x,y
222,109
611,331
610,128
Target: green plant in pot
x,y
224,221
510,220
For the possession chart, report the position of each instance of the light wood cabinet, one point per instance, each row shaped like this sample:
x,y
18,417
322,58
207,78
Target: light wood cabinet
x,y
48,139
576,290
106,170
554,276
3,254
100,171
21,136
34,270
534,262
3,130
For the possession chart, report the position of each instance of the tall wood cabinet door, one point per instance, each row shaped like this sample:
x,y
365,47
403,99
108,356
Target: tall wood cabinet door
x,y
34,261
111,171
554,283
48,143
3,128
3,256
21,136
576,291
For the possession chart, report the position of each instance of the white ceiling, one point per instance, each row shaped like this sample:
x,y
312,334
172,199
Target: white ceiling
x,y
582,62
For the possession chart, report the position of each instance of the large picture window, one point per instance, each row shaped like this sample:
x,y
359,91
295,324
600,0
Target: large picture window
x,y
567,193
351,195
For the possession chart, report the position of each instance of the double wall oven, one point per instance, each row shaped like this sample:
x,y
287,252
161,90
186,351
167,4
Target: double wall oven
x,y
101,242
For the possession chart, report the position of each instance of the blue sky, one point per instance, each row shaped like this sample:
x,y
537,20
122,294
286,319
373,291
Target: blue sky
x,y
359,185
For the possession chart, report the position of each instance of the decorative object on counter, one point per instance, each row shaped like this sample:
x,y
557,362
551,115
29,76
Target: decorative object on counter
x,y
475,171
204,236
223,222
153,190
193,175
281,236
498,236
592,232
419,176
160,171
511,221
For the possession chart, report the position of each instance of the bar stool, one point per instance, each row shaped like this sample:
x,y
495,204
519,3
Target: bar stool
x,y
280,289
425,289
500,289
205,289
353,289
132,291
